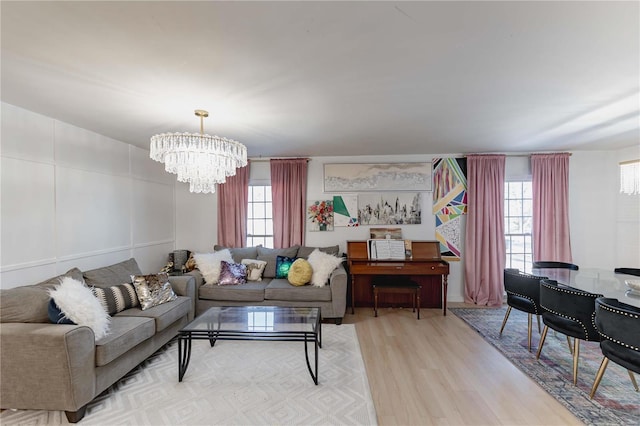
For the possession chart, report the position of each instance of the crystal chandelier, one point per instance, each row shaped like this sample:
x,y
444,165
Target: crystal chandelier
x,y
199,159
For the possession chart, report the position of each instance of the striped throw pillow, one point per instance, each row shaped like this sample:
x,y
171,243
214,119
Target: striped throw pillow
x,y
117,298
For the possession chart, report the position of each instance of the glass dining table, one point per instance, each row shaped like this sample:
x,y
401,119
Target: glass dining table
x,y
595,280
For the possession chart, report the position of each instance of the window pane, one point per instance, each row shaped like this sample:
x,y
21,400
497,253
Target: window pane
x,y
527,207
259,228
258,210
259,220
258,193
515,225
515,207
515,189
527,190
526,225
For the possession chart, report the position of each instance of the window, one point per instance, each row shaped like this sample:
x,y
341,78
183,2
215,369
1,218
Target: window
x,y
259,216
518,210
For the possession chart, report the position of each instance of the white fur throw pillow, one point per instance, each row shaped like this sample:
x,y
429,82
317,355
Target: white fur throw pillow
x,y
78,304
323,265
209,264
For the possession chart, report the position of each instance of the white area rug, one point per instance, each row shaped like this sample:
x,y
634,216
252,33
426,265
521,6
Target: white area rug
x,y
235,383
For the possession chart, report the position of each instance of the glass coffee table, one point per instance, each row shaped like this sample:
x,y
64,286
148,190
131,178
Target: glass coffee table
x,y
283,324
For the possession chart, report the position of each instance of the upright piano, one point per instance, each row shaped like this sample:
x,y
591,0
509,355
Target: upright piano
x,y
425,266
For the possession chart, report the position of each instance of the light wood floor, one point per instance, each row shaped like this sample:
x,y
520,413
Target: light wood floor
x,y
439,371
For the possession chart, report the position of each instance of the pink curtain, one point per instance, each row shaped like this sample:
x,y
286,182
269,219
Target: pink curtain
x,y
484,241
233,198
289,196
550,175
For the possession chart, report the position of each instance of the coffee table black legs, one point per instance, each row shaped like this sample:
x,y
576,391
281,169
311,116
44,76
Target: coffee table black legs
x,y
314,372
184,354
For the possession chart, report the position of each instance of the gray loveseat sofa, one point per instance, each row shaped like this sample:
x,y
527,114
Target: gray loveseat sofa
x,y
62,367
271,291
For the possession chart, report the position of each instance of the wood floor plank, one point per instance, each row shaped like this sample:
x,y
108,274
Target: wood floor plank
x,y
438,371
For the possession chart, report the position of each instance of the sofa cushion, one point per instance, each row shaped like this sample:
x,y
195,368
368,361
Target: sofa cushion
x,y
304,251
251,292
239,253
78,304
118,273
117,298
255,268
30,303
153,290
323,265
270,256
283,264
232,273
210,264
282,290
126,333
164,315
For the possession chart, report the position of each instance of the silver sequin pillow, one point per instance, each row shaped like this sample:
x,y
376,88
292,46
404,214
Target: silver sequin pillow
x,y
232,273
153,290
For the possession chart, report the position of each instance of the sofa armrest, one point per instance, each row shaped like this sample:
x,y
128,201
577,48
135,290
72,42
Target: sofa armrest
x,y
185,285
338,284
46,366
197,276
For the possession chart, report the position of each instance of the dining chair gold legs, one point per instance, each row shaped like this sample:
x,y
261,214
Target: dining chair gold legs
x,y
633,380
542,337
504,321
600,374
530,325
529,331
576,353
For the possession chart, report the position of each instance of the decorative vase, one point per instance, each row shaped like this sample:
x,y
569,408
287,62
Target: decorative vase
x,y
323,226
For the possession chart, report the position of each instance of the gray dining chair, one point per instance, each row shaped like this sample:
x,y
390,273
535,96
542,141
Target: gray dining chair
x,y
568,311
523,294
553,264
619,326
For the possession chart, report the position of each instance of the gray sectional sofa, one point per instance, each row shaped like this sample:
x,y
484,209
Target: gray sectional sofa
x,y
271,291
48,366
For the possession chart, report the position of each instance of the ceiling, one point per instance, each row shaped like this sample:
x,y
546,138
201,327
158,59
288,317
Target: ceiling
x,y
334,78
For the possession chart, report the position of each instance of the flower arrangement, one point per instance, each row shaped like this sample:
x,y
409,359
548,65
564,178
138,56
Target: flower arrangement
x,y
321,212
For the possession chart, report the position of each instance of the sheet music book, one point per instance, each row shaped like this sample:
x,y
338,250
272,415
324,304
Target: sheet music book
x,y
386,249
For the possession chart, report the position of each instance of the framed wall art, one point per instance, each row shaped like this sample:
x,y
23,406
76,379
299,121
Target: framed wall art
x,y
376,177
399,208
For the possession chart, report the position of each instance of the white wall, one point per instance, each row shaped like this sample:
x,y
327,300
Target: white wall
x,y
605,225
72,198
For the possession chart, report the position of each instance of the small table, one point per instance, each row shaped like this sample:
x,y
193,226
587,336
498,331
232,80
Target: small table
x,y
275,323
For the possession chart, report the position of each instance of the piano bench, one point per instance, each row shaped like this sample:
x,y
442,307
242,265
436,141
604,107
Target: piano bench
x,y
406,287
